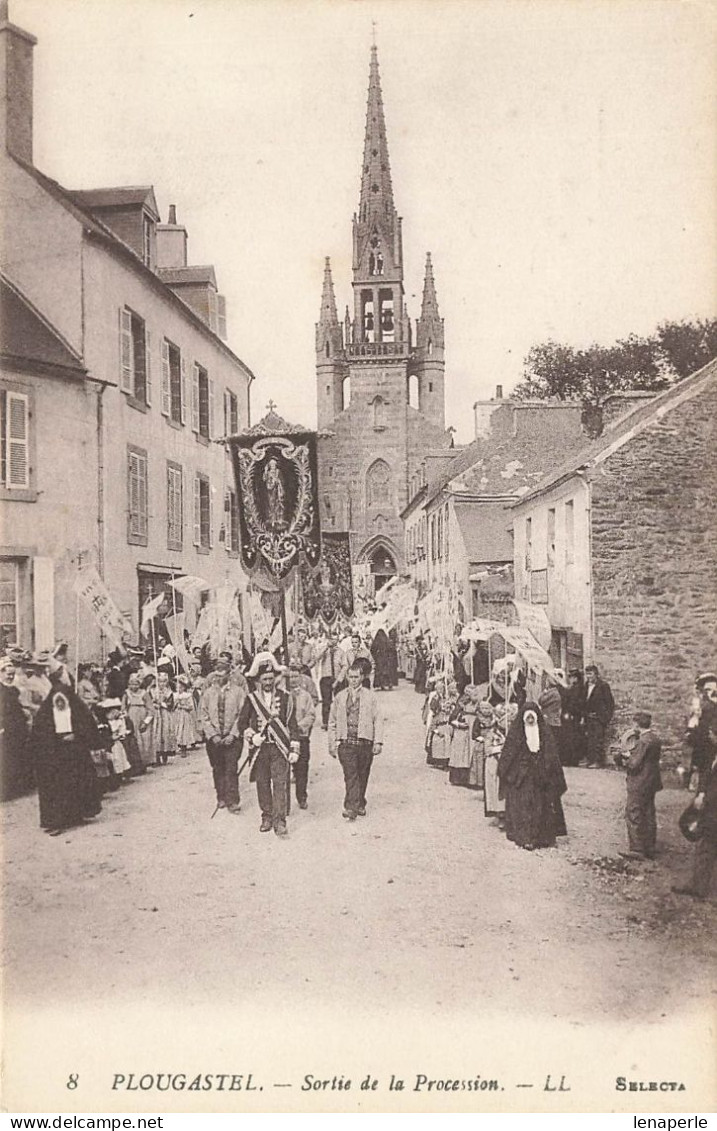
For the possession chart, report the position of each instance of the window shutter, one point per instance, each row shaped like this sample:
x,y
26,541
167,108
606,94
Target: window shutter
x,y
147,366
227,520
227,418
210,387
166,395
209,514
197,510
16,439
131,493
142,495
195,398
125,330
183,392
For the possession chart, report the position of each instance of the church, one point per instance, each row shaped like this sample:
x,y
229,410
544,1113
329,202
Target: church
x,y
379,386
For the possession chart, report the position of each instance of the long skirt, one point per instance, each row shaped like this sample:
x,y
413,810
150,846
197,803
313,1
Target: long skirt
x,y
459,756
533,816
186,726
67,785
494,806
143,737
476,773
165,735
437,748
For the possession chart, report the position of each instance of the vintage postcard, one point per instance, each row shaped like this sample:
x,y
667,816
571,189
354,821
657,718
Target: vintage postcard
x,y
358,376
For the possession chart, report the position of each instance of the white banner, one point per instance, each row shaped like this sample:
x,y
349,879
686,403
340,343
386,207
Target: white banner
x,y
92,589
534,619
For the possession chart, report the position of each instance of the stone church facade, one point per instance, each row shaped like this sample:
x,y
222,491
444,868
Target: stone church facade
x,y
380,387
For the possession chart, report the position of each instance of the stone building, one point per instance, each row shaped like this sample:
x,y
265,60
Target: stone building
x,y
619,546
115,381
380,391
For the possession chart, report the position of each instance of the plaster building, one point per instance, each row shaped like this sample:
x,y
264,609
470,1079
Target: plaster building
x,y
380,391
458,521
116,380
619,546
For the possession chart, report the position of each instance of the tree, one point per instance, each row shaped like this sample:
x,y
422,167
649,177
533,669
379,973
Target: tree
x,y
553,371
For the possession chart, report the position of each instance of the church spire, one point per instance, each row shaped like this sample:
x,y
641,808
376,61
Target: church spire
x,y
328,315
429,329
376,189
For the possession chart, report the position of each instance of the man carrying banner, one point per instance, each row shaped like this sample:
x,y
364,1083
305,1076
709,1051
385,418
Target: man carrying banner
x,y
355,737
269,727
332,667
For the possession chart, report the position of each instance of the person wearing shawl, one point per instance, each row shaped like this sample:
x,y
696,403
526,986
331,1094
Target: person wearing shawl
x,y
63,735
532,782
381,653
15,764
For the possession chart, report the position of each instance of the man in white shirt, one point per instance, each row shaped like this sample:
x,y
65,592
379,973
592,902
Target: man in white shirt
x,y
355,738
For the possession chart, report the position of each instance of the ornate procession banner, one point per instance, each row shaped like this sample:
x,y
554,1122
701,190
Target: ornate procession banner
x,y
276,476
328,590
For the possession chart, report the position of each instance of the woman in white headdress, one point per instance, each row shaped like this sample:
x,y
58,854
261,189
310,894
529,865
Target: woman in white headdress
x,y
532,782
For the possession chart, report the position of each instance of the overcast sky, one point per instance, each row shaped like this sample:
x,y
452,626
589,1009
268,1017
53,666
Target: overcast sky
x,y
557,158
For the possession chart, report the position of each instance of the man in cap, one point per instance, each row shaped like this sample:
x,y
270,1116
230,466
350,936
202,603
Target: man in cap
x,y
305,711
355,737
705,803
269,728
642,764
219,715
598,711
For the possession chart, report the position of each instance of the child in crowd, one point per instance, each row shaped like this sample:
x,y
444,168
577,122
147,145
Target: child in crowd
x,y
112,709
165,741
185,716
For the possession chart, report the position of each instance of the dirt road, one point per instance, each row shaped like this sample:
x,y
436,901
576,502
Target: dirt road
x,y
421,906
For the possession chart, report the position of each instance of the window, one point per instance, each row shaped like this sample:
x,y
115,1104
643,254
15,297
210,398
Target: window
x,y
202,402
378,484
231,413
569,532
9,621
379,413
551,537
231,522
137,523
528,544
386,315
175,506
135,372
174,383
202,512
14,440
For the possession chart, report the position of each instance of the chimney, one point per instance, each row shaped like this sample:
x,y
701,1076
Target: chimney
x,y
171,242
499,392
16,48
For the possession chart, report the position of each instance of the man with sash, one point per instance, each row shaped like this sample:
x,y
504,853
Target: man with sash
x,y
270,730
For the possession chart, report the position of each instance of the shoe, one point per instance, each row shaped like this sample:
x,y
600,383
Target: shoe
x,y
362,811
684,890
324,726
348,815
233,809
631,855
281,829
221,804
303,805
266,825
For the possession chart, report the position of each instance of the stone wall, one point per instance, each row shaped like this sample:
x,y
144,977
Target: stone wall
x,y
654,533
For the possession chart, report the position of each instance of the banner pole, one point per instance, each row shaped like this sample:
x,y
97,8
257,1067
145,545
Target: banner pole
x,y
284,634
77,636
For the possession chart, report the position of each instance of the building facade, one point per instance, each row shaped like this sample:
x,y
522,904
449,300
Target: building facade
x,y
119,406
380,392
619,546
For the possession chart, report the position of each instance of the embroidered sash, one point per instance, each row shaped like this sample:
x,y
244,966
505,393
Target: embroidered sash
x,y
273,727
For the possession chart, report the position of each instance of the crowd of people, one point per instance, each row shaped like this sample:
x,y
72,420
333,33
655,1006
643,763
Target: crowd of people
x,y
77,736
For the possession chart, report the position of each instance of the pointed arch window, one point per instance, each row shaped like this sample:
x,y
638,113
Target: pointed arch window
x,y
378,484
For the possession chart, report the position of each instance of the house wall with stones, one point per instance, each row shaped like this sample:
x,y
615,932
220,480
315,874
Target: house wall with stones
x,y
654,564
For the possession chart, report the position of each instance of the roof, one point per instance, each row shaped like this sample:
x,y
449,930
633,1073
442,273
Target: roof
x,y
93,226
504,465
121,197
175,276
27,337
485,530
627,428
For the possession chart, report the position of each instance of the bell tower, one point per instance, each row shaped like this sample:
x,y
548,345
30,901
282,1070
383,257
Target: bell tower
x,y
365,367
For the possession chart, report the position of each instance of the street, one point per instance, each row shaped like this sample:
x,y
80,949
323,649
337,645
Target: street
x,y
422,903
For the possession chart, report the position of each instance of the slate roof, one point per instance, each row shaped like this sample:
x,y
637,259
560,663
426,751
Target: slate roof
x,y
124,196
485,530
626,427
25,336
174,276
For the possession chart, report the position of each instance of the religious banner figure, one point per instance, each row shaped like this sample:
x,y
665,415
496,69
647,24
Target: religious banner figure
x,y
328,591
275,468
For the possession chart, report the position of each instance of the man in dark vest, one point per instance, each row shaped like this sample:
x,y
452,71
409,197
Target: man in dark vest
x,y
598,711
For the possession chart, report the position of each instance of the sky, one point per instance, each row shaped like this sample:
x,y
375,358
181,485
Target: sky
x,y
556,157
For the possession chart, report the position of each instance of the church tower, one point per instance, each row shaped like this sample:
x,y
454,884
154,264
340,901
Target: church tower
x,y
379,395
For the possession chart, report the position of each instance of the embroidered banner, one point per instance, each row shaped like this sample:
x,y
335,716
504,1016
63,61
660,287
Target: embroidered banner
x,y
276,479
328,590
